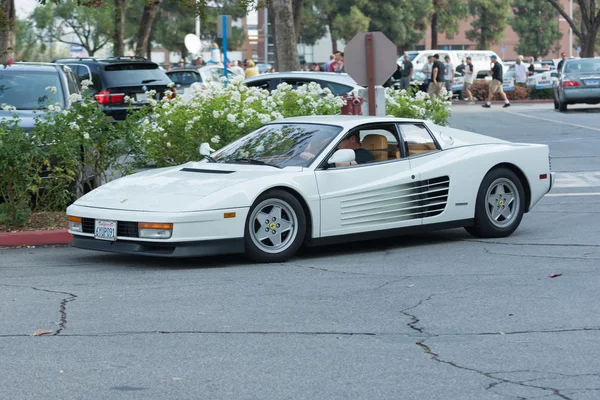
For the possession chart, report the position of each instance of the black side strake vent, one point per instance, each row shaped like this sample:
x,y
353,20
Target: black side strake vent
x,y
206,171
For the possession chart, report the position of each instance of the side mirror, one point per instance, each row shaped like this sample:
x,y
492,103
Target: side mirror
x,y
205,149
342,156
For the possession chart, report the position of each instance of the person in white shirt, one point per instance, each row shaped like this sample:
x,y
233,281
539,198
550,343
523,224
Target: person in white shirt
x,y
520,73
448,75
235,67
468,74
427,68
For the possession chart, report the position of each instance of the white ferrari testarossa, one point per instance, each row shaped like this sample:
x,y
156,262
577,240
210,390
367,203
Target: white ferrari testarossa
x,y
316,180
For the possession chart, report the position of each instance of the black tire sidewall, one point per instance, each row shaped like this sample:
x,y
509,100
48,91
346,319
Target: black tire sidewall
x,y
483,226
252,251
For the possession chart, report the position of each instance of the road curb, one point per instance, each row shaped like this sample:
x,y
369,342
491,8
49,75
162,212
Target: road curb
x,y
35,238
464,103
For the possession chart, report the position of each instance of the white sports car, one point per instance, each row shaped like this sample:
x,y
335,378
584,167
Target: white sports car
x,y
316,180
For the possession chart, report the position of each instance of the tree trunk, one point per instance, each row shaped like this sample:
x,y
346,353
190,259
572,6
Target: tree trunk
x,y
286,50
143,35
119,33
331,34
297,5
149,47
434,29
588,44
8,32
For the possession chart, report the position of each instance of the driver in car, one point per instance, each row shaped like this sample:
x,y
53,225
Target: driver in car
x,y
361,156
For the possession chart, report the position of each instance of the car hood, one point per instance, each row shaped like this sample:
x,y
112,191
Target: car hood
x,y
174,189
26,117
449,138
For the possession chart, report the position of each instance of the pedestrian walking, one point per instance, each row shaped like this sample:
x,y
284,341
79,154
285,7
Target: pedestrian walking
x,y
520,73
563,57
251,70
448,75
338,63
531,67
496,83
328,63
437,78
468,72
406,72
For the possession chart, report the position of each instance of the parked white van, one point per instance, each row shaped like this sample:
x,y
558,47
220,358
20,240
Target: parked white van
x,y
480,59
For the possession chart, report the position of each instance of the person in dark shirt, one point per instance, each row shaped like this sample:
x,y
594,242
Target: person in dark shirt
x,y
531,67
437,77
496,83
361,156
563,57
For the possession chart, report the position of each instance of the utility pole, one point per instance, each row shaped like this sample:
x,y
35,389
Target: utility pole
x,y
198,30
570,29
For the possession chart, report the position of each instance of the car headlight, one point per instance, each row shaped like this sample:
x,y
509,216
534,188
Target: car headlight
x,y
74,223
153,230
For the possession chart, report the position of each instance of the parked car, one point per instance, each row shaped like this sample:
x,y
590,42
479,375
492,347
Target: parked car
x,y
23,85
184,78
339,84
579,82
297,188
116,77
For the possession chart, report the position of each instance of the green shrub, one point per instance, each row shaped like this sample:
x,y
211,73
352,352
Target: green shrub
x,y
481,91
20,166
541,94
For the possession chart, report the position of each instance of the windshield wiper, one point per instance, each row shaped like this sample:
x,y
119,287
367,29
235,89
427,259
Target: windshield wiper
x,y
149,80
255,162
210,159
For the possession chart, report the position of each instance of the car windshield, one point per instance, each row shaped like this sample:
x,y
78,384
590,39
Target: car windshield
x,y
134,74
583,65
26,90
280,144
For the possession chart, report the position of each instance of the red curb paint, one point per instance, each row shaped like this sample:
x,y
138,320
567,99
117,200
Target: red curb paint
x,y
35,238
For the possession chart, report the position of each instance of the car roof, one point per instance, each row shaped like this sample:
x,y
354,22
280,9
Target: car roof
x,y
345,121
326,76
108,60
37,66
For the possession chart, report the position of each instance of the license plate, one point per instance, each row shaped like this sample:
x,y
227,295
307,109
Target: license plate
x,y
105,230
592,82
140,97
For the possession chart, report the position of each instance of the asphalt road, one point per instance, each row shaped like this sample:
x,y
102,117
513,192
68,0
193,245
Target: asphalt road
x,y
438,316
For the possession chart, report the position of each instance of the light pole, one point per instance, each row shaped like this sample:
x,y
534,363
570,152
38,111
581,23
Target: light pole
x,y
198,28
570,29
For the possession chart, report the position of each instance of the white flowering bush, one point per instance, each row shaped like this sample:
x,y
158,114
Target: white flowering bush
x,y
81,144
172,129
419,105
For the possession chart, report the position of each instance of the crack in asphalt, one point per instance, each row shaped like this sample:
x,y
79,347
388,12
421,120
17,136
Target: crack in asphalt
x,y
288,264
62,309
490,252
532,244
436,357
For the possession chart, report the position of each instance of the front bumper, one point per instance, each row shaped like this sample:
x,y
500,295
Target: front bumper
x,y
163,249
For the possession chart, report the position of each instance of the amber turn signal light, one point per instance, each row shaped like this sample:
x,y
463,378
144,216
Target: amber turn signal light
x,y
154,225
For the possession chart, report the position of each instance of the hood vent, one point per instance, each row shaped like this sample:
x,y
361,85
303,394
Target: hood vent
x,y
206,171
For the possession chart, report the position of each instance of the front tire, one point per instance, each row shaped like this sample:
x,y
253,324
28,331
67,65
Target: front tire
x,y
275,227
500,205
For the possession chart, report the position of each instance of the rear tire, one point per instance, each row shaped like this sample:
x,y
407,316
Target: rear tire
x,y
555,103
500,205
562,106
275,227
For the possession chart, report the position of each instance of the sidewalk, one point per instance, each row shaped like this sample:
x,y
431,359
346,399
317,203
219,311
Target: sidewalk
x,y
466,103
35,238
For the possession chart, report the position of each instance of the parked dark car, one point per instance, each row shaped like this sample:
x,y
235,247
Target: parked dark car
x,y
578,82
114,78
24,86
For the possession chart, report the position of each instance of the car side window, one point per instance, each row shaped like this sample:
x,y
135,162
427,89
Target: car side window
x,y
82,71
417,139
265,84
336,88
372,144
72,82
295,83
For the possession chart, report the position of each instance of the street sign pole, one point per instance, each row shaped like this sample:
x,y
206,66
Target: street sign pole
x,y
225,47
370,73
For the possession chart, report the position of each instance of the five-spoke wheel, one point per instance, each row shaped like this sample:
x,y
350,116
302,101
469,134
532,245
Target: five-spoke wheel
x,y
500,204
275,227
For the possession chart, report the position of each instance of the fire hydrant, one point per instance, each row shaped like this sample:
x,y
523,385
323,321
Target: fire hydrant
x,y
353,104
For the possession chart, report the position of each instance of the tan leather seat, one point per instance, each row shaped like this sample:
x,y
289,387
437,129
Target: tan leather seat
x,y
377,145
420,148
